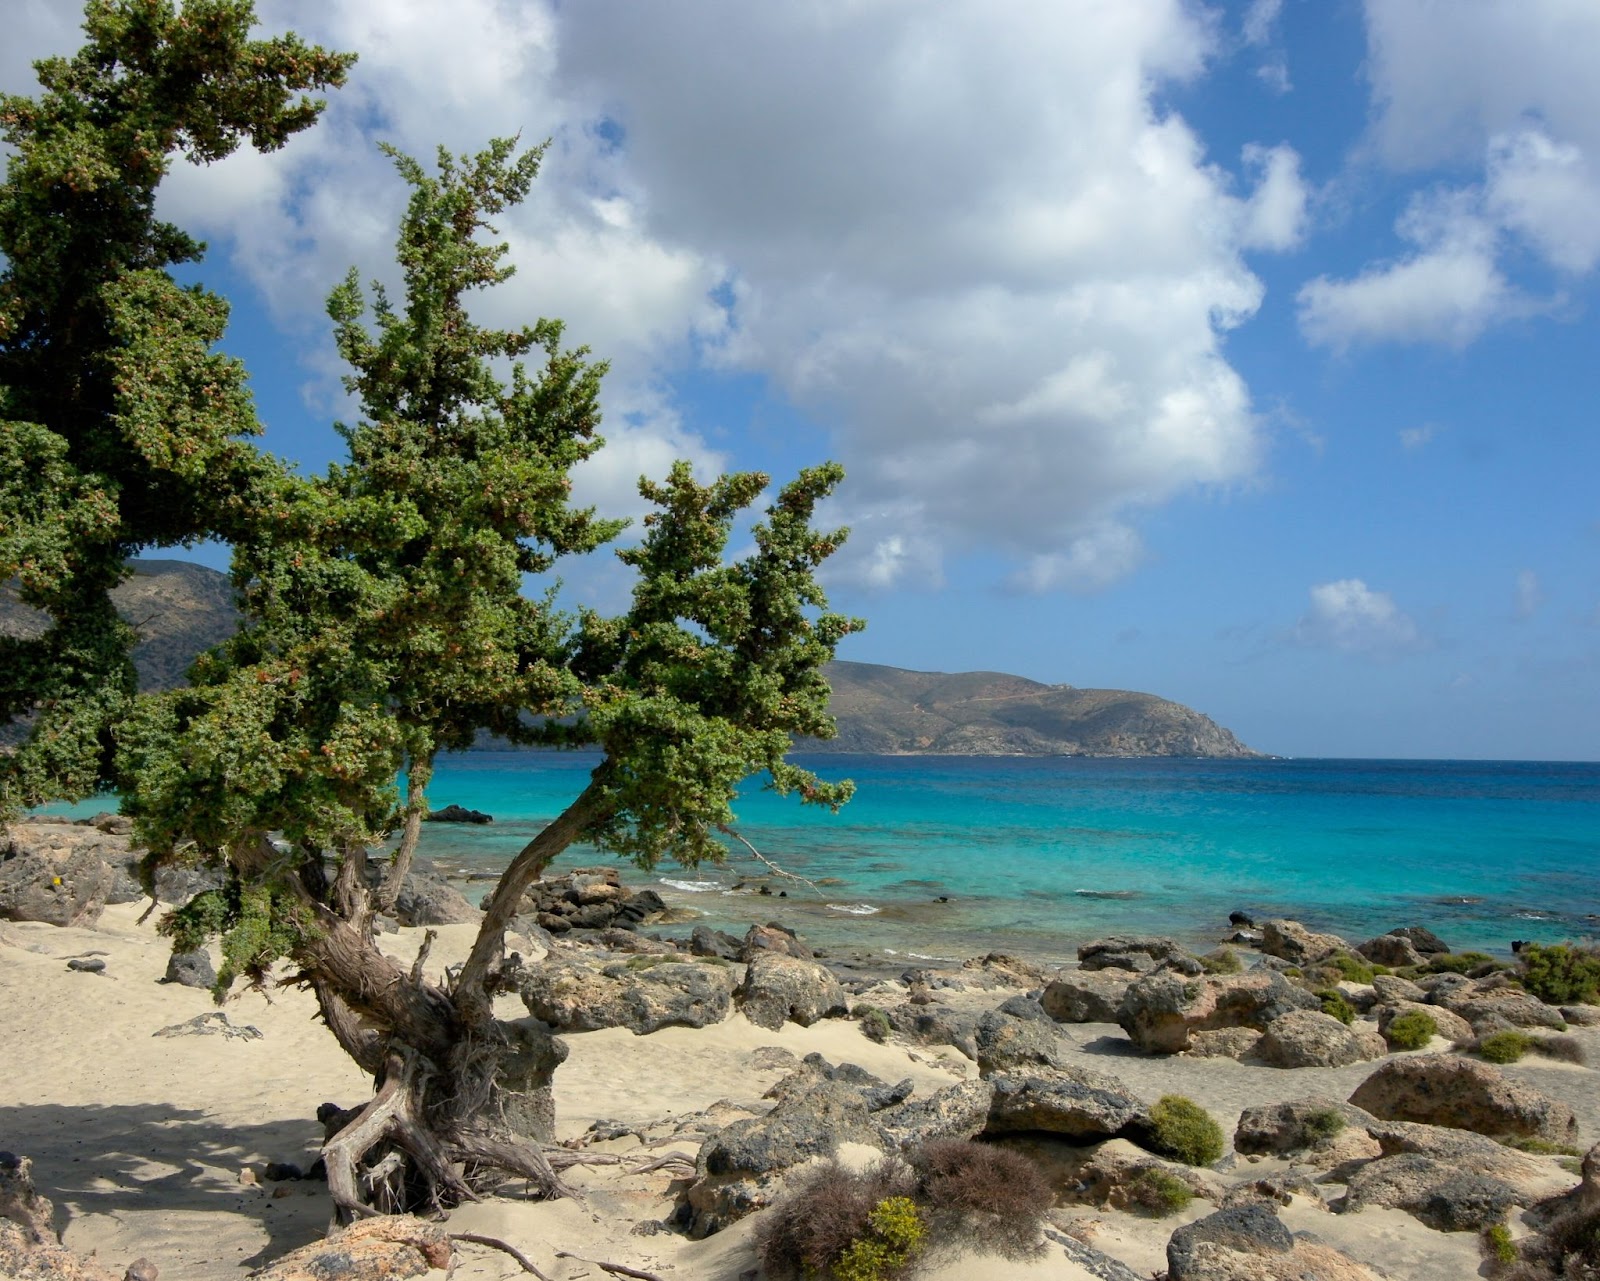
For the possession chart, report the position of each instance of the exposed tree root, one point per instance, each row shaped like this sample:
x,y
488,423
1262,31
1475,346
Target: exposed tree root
x,y
618,1269
495,1243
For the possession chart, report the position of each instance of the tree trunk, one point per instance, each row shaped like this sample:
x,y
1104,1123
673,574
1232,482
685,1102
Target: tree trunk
x,y
417,780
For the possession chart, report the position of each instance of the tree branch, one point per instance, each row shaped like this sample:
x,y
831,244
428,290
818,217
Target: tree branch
x,y
767,862
417,780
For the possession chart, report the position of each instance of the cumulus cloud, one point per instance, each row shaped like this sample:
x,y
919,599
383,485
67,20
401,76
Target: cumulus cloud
x,y
1510,92
1348,615
973,245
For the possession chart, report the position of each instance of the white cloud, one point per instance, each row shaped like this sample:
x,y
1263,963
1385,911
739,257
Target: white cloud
x,y
1549,193
1092,561
1259,20
1348,615
1275,214
1413,439
1529,594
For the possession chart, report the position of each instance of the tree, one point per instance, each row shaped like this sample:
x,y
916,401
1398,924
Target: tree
x,y
385,621
120,427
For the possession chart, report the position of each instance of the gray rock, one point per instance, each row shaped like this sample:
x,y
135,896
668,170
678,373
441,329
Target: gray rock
x,y
778,988
1161,1011
212,1023
1391,950
1310,1038
1392,989
1451,1026
705,941
1424,940
1292,942
935,1025
56,873
1139,953
574,998
1004,1041
458,814
1280,1129
524,1078
772,937
1098,1265
190,969
426,898
1438,1089
1251,1229
87,965
1439,1193
959,1111
1071,1101
1085,996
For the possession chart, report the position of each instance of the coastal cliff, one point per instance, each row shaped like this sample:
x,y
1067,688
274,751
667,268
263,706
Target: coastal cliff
x,y
180,609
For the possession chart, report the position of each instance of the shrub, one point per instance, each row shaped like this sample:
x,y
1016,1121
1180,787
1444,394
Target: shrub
x,y
875,1024
1158,1193
1222,961
1353,969
1540,1147
828,1210
893,1237
1564,1049
1333,1003
1322,1125
1497,1244
1410,1030
646,961
1561,974
1185,1131
1503,1047
979,1192
1569,1247
1461,963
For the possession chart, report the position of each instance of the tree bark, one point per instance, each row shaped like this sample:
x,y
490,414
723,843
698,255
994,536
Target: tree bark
x,y
417,780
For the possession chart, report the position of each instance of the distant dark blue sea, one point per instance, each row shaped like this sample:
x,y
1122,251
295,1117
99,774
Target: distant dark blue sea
x,y
1039,855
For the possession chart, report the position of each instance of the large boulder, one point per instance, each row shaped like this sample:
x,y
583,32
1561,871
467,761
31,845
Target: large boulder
x,y
778,988
1301,1125
57,873
526,1070
1393,950
1248,1243
380,1249
1017,1035
1423,939
1451,1026
574,998
959,1111
1310,1038
1534,1177
1085,996
1441,1194
426,898
935,1025
1162,1011
772,937
1077,1103
1292,942
1136,953
1463,1094
1391,988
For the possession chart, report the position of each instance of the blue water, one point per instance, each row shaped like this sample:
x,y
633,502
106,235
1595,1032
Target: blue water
x,y
1038,855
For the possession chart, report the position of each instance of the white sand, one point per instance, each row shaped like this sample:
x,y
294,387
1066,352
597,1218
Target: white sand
x,y
141,1141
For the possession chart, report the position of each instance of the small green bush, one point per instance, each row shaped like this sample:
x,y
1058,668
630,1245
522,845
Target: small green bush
x,y
1410,1030
1158,1193
894,1235
827,1211
1562,973
646,961
1185,1131
875,1025
1497,1244
1461,963
1333,1003
1225,960
1503,1047
1321,1125
1540,1147
1352,969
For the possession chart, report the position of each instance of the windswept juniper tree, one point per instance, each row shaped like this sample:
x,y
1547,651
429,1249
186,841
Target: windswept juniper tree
x,y
384,622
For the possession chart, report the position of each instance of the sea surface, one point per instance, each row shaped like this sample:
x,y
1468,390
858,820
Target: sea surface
x,y
945,857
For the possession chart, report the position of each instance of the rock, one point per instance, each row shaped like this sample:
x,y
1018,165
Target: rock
x,y
426,898
282,1172
141,1270
1463,1094
212,1023
1161,1011
458,814
30,1249
1424,940
617,939
1109,1178
1292,1127
1004,1041
639,909
574,998
1533,1177
1391,950
378,1249
778,987
57,873
705,941
527,1067
87,965
1310,1038
959,1111
1241,920
1094,1262
190,969
1581,1015
1235,1043
1451,1026
1496,1011
1076,1102
1085,996
935,1025
1292,942
1392,989
773,938
1440,1194
21,1203
1247,1229
174,882
1118,945
1013,970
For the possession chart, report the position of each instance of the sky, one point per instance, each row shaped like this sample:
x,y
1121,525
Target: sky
x,y
1242,353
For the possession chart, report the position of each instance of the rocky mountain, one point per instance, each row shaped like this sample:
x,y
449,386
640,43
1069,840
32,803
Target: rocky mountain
x,y
889,711
180,609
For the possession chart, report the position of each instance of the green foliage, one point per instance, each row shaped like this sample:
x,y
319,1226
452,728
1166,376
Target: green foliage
x,y
258,924
1334,1003
1352,968
875,1025
895,1233
120,427
1498,1245
1158,1192
1540,1147
1461,963
1410,1030
1185,1131
1322,1125
1561,973
1504,1047
1224,960
827,1210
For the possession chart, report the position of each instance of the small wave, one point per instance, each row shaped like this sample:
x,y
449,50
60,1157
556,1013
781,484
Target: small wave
x,y
692,887
855,909
1111,894
915,956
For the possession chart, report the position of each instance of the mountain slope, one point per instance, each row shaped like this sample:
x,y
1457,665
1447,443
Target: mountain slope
x,y
179,609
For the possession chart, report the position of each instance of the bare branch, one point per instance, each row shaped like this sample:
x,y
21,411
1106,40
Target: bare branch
x,y
618,1269
422,955
495,1243
767,862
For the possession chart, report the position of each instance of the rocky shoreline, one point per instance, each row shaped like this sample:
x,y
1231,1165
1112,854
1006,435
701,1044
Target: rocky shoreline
x,y
1349,1148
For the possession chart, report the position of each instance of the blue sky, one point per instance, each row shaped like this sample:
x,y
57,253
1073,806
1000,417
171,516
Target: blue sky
x,y
1241,353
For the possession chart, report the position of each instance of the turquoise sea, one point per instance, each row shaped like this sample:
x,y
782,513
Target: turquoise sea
x,y
1039,855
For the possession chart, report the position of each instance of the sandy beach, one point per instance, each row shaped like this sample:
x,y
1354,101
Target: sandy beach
x,y
155,1147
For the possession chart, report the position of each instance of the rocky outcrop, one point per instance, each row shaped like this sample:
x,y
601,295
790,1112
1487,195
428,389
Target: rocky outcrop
x,y
1249,1243
959,1111
1451,1026
1162,1011
380,1249
1292,942
1085,996
587,898
641,998
1138,953
1076,1103
1463,1094
426,897
1017,1035
56,873
1440,1194
1299,1125
30,1247
1113,1177
779,988
190,969
1310,1038
457,814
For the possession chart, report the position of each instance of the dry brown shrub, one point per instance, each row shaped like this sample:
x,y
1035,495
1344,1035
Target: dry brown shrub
x,y
981,1194
824,1210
